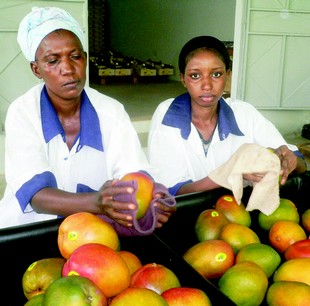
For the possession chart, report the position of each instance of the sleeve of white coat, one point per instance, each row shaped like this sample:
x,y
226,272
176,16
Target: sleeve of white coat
x,y
26,151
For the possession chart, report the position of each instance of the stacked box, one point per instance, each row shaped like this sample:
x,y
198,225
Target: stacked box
x,y
123,71
164,69
145,71
105,71
113,63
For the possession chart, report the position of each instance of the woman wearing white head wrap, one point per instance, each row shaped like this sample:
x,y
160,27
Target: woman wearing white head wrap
x,y
42,21
65,144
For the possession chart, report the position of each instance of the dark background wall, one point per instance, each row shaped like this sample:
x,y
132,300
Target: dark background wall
x,y
157,29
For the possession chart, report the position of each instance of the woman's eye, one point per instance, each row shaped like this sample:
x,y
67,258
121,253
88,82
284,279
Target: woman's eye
x,y
76,56
216,74
195,76
52,62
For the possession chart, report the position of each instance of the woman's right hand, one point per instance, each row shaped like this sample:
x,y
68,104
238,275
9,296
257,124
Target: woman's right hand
x,y
116,210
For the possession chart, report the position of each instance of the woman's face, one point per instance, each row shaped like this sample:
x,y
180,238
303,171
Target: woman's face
x,y
61,63
205,78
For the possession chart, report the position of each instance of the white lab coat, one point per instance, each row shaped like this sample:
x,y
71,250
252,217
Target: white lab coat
x,y
180,158
36,155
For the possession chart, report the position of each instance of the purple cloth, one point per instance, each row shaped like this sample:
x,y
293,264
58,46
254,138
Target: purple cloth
x,y
147,224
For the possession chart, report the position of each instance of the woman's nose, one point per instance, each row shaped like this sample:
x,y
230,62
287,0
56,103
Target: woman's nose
x,y
67,66
206,83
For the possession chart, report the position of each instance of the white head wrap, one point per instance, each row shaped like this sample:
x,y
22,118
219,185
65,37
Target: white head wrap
x,y
39,23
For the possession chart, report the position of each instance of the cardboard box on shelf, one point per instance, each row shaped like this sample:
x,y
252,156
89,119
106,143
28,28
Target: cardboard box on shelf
x,y
123,71
104,71
165,71
143,71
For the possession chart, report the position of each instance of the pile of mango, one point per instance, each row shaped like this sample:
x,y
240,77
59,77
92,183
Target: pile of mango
x,y
258,261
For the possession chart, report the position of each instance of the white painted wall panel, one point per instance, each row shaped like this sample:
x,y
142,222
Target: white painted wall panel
x,y
272,56
296,90
261,84
280,22
281,4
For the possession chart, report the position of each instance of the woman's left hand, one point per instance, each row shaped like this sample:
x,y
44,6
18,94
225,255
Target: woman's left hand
x,y
288,162
164,211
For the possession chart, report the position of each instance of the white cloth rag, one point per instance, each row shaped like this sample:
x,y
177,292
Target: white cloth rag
x,y
252,158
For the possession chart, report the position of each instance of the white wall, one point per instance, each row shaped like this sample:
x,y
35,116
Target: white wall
x,y
288,119
288,122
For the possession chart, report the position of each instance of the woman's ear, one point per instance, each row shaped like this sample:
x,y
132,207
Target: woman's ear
x,y
182,79
35,70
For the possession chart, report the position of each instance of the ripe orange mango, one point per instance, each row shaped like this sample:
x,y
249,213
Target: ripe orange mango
x,y
238,236
101,264
210,258
133,296
209,224
233,211
83,227
144,194
133,262
185,296
287,293
284,233
296,270
155,277
298,249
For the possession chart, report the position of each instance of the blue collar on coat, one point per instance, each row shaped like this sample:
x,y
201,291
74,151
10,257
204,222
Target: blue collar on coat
x,y
90,133
178,115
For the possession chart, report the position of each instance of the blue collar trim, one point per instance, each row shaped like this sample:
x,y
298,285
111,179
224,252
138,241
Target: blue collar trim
x,y
178,115
90,133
